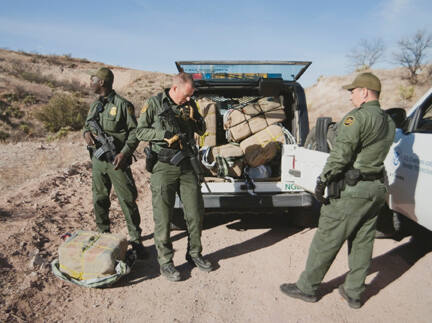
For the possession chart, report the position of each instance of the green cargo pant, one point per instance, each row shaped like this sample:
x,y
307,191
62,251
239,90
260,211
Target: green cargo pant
x,y
103,177
167,180
352,217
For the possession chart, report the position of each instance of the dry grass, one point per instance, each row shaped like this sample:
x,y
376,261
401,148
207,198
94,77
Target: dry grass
x,y
327,98
37,159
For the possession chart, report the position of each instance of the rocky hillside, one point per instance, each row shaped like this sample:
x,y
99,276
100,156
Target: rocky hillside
x,y
326,98
28,81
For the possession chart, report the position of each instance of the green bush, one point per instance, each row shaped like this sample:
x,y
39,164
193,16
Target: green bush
x,y
25,128
63,132
9,111
62,110
4,135
406,92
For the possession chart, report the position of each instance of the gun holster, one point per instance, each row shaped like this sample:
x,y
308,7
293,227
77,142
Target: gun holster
x,y
352,177
151,159
334,188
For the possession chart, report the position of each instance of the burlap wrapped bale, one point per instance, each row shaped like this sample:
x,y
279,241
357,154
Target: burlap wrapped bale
x,y
207,108
241,123
87,254
228,160
236,125
263,146
269,103
275,116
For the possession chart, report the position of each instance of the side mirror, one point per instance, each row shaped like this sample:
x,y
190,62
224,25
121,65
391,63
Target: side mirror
x,y
398,115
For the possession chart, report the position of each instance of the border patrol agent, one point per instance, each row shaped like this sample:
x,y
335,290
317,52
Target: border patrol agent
x,y
354,176
164,119
116,117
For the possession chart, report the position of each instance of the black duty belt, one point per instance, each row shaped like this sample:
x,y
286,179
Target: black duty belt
x,y
165,154
372,177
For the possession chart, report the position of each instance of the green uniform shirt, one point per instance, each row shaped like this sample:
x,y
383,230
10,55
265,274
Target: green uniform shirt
x,y
118,120
152,127
364,137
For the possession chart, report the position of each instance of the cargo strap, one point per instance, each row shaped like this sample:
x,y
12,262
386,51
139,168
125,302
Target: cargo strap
x,y
272,138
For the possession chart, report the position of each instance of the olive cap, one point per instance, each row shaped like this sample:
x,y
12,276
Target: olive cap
x,y
365,80
104,74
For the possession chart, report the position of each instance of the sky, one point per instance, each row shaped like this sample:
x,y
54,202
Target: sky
x,y
152,35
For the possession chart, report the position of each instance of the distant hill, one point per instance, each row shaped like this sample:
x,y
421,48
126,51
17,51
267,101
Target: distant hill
x,y
29,80
326,98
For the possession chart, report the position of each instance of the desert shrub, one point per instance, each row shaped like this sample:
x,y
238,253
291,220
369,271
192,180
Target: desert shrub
x,y
406,92
29,99
9,111
24,127
63,132
53,60
62,110
4,135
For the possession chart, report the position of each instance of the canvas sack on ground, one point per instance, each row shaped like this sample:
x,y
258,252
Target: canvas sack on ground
x,y
88,255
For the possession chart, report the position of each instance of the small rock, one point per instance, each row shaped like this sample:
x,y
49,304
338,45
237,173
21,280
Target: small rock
x,y
36,261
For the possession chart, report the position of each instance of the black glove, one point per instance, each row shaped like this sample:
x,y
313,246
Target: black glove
x,y
319,191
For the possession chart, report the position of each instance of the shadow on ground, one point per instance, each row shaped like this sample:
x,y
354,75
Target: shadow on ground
x,y
281,225
389,266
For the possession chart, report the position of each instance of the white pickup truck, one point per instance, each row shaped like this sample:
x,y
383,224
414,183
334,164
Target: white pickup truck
x,y
229,84
408,163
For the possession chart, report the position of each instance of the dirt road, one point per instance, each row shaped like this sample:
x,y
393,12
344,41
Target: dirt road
x,y
253,255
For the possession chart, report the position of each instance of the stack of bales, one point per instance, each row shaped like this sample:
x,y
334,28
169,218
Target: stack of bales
x,y
252,131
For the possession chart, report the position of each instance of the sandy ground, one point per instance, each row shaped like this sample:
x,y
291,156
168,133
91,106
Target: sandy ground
x,y
252,254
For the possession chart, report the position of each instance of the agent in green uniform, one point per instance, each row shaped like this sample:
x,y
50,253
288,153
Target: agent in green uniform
x,y
116,118
354,175
167,121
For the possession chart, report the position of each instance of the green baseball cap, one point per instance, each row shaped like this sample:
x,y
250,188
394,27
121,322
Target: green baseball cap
x,y
104,74
365,80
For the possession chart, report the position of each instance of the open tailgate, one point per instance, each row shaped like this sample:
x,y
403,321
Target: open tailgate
x,y
306,166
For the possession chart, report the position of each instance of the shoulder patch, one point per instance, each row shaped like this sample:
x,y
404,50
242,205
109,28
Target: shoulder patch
x,y
348,121
130,109
145,107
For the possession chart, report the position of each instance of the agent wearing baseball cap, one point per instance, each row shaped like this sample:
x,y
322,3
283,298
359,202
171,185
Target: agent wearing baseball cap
x,y
354,176
116,117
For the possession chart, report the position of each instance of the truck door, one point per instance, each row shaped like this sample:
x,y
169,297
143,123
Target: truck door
x,y
409,166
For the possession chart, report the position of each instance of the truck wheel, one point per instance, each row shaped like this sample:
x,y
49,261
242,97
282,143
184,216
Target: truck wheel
x,y
178,222
322,137
391,225
321,128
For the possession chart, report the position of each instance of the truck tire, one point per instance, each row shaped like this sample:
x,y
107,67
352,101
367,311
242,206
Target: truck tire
x,y
391,225
321,129
323,136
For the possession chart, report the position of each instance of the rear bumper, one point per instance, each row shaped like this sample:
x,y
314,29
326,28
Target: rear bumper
x,y
248,201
